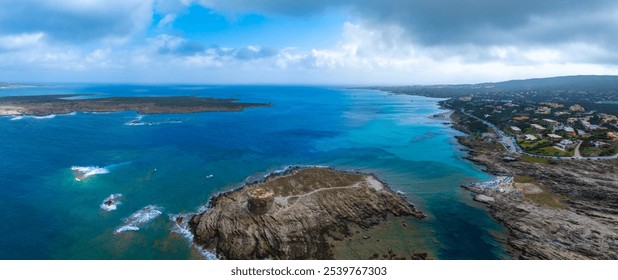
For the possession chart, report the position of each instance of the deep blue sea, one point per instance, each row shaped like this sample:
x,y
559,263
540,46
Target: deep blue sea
x,y
174,163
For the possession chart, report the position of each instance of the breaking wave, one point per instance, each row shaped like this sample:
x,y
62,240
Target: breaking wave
x,y
181,226
138,122
111,202
83,172
139,218
16,118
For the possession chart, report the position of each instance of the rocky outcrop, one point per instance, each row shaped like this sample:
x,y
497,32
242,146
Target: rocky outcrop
x,y
566,209
296,215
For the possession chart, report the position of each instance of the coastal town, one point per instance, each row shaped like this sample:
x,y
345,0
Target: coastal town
x,y
546,129
576,121
551,145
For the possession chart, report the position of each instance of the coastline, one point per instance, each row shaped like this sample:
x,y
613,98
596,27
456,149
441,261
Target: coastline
x,y
549,210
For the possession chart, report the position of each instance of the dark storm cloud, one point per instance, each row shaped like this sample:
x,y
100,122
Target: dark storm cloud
x,y
73,20
478,22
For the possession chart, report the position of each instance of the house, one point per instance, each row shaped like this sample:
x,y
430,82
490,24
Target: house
x,y
521,118
599,144
570,131
572,120
590,126
550,121
543,111
554,137
530,137
565,144
465,98
538,127
516,129
577,108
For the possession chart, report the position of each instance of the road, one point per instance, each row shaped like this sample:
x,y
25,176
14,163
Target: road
x,y
510,144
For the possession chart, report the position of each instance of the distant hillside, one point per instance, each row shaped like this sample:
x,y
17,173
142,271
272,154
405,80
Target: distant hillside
x,y
566,83
559,83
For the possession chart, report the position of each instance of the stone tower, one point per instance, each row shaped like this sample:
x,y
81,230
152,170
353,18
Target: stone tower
x,y
260,200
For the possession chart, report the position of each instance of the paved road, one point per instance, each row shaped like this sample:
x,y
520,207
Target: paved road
x,y
510,144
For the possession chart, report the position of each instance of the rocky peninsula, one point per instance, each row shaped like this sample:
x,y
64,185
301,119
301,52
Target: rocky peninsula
x,y
553,209
43,105
300,214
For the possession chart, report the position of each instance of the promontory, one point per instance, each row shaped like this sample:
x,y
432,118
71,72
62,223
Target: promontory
x,y
41,105
296,215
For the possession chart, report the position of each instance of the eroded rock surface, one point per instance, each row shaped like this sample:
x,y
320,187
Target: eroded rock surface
x,y
310,208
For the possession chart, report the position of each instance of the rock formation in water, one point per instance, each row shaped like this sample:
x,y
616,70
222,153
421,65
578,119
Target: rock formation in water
x,y
297,215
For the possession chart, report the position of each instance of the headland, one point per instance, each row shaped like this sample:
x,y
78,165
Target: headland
x,y
43,105
301,214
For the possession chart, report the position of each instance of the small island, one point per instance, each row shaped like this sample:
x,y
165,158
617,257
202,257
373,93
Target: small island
x,y
300,214
43,105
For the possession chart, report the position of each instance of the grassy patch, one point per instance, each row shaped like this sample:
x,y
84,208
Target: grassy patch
x,y
546,198
523,179
551,151
535,159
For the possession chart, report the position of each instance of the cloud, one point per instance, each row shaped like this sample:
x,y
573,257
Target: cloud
x,y
21,41
178,46
446,22
76,21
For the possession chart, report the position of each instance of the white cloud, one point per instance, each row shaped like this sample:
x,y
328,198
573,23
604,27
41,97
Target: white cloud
x,y
20,41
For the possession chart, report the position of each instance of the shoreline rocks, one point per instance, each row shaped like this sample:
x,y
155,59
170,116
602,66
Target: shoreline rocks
x,y
296,215
559,210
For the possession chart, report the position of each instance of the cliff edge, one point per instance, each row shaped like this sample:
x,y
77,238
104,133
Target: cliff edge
x,y
295,216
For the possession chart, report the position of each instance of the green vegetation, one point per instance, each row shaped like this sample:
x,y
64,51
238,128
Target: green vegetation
x,y
529,146
542,147
546,197
523,179
551,151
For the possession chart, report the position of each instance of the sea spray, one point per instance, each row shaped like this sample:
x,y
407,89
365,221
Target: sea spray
x,y
83,172
111,202
181,226
139,218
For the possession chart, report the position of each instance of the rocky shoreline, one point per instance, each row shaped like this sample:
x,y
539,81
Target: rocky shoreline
x,y
552,209
298,214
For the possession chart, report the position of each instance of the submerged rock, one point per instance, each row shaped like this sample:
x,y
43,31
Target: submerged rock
x,y
295,215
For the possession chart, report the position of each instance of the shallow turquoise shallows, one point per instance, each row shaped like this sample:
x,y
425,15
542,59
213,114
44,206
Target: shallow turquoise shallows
x,y
176,162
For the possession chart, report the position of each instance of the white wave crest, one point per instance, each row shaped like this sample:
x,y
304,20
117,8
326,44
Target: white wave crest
x,y
44,117
181,226
139,218
83,172
17,118
111,202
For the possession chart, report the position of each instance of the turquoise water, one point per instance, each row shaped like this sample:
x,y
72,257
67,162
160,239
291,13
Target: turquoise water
x,y
176,162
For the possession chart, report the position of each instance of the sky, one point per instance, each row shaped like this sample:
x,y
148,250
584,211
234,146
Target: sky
x,y
320,42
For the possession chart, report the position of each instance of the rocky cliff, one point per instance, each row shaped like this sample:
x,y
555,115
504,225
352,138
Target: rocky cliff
x,y
556,209
295,215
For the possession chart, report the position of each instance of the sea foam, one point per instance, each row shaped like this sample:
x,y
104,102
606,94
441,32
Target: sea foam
x,y
111,202
83,172
139,218
181,226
